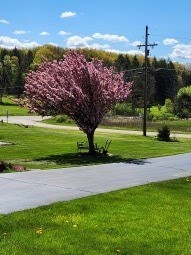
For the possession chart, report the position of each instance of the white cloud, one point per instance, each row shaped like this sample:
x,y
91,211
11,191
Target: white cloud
x,y
67,15
135,43
63,33
53,44
181,51
77,41
10,43
170,41
111,38
20,32
130,52
44,33
4,21
99,46
83,42
135,52
116,51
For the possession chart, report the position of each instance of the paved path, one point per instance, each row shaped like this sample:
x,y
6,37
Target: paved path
x,y
26,190
36,121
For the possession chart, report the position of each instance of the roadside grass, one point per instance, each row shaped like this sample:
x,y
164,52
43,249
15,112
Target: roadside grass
x,y
48,148
12,108
152,219
117,122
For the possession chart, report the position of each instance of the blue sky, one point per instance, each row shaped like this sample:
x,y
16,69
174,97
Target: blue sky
x,y
111,25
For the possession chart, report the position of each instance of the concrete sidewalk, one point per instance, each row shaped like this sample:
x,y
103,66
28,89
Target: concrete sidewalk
x,y
26,190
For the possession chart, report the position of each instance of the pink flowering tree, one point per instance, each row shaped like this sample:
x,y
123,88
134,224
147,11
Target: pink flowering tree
x,y
83,90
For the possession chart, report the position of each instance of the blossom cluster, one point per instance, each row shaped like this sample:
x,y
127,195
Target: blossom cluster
x,y
83,90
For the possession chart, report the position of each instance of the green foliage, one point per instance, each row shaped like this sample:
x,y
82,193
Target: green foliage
x,y
164,134
164,112
183,103
47,53
108,58
165,77
62,119
124,109
169,106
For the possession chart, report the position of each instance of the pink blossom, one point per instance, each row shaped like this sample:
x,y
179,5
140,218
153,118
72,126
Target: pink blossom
x,y
83,90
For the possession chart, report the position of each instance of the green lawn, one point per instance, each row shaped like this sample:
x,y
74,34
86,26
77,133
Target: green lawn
x,y
48,148
12,108
152,219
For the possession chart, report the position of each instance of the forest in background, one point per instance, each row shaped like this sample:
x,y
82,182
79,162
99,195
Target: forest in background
x,y
165,78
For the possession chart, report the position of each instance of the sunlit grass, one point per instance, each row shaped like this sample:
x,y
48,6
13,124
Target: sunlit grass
x,y
152,219
47,148
11,108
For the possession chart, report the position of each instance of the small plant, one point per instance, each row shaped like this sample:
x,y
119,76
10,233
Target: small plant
x,y
164,134
4,167
63,119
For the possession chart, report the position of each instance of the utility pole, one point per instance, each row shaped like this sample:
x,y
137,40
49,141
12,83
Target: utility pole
x,y
146,45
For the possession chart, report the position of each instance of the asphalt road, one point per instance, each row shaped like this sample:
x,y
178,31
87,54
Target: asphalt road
x,y
20,191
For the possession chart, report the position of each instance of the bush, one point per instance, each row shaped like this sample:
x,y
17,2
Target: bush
x,y
169,106
63,119
164,134
123,109
183,103
165,112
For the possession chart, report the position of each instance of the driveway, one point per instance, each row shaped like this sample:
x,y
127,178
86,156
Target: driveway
x,y
20,191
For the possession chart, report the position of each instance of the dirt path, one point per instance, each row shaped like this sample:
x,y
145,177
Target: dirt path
x,y
37,121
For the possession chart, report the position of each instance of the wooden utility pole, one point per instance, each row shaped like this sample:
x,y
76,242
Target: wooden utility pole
x,y
146,45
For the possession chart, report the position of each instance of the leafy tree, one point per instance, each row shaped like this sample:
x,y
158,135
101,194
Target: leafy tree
x,y
83,90
42,55
1,83
7,74
169,105
165,75
135,62
183,103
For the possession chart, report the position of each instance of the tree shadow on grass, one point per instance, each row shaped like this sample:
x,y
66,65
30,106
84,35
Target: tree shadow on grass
x,y
8,104
83,159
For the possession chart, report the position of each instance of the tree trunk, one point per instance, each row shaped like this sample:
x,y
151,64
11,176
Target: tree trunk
x,y
90,137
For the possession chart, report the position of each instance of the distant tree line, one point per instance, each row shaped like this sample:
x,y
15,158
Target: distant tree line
x,y
165,78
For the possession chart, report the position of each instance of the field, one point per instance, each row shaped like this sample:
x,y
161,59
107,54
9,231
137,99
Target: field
x,y
9,106
152,219
47,148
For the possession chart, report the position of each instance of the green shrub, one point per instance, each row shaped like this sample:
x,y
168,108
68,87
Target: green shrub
x,y
164,134
164,113
124,109
169,106
63,119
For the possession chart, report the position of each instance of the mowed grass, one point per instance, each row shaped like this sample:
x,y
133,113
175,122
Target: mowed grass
x,y
12,108
152,219
47,148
